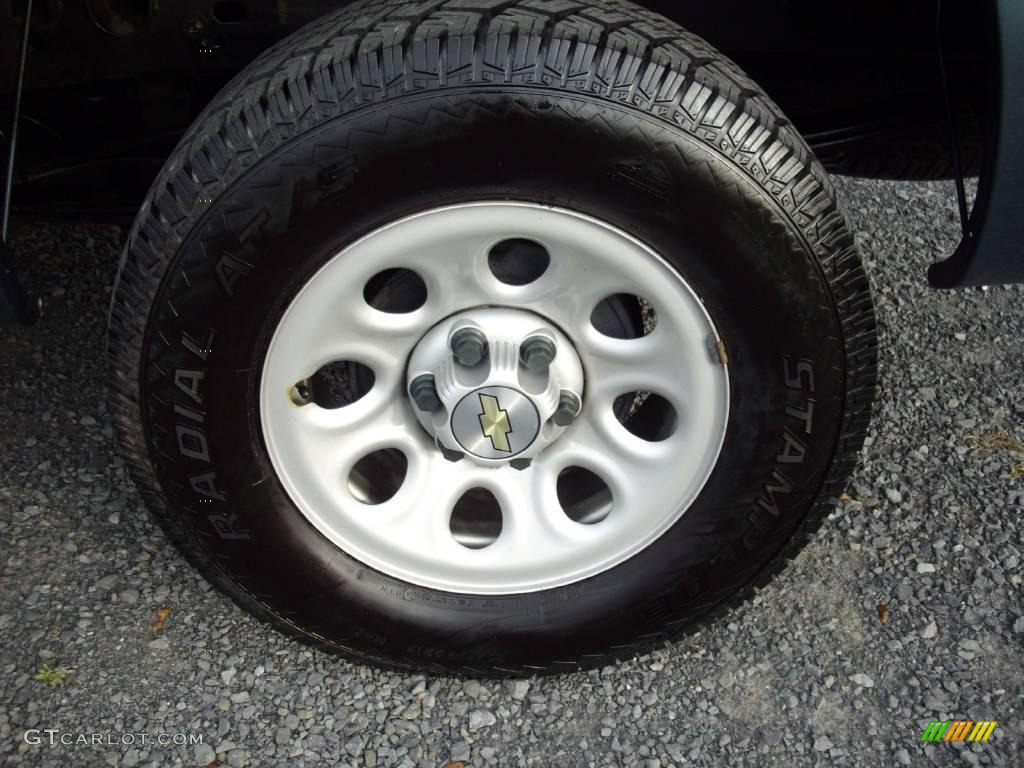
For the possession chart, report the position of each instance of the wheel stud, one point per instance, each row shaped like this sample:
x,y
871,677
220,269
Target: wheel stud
x,y
537,352
568,409
424,393
469,346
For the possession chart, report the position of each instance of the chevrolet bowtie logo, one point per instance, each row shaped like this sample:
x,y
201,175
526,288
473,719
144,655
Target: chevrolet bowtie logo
x,y
494,423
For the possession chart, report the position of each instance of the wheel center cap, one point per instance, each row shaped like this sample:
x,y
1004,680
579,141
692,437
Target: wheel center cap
x,y
496,385
495,422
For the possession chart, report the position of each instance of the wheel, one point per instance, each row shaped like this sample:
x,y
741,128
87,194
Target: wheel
x,y
499,339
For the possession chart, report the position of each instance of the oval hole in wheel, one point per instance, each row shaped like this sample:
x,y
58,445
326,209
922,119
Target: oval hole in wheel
x,y
340,383
646,415
476,519
585,497
518,261
376,477
395,291
624,316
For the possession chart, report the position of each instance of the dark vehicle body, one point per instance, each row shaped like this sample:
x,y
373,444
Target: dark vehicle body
x,y
921,89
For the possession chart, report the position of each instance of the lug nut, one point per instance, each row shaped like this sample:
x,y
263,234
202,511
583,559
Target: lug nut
x,y
568,409
537,352
424,393
451,455
469,346
520,464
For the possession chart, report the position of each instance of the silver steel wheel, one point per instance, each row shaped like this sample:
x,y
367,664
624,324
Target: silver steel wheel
x,y
391,477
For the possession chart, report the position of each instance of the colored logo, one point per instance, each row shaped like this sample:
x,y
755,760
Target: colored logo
x,y
494,423
958,730
483,421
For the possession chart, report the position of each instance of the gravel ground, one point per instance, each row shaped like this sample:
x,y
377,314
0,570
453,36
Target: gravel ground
x,y
907,607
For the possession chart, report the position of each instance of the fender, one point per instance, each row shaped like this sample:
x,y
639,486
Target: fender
x,y
992,248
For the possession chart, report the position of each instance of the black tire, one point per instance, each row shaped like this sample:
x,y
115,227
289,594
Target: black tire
x,y
389,107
